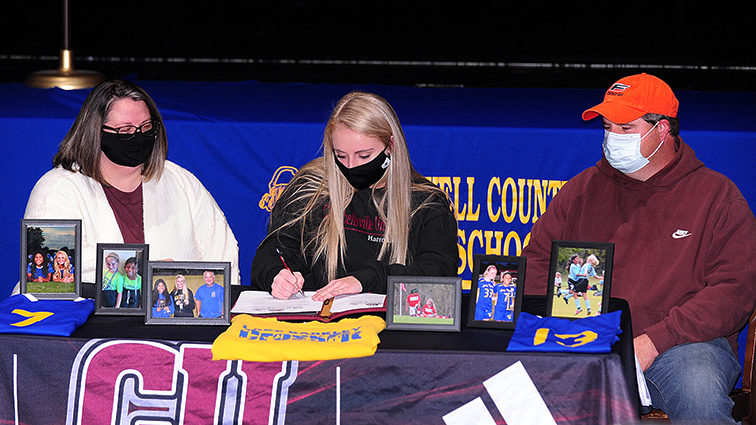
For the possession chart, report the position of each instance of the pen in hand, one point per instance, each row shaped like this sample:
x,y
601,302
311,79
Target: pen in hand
x,y
280,255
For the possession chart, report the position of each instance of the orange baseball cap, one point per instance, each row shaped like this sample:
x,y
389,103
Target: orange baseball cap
x,y
633,97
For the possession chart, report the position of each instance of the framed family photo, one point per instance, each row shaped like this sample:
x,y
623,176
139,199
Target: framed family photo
x,y
51,258
496,291
580,277
188,293
120,284
424,303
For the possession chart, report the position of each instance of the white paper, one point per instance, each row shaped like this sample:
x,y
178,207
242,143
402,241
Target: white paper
x,y
472,413
261,302
357,301
517,397
645,396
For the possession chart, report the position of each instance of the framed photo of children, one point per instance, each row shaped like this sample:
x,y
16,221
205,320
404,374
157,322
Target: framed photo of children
x,y
496,291
580,277
188,293
424,303
51,258
120,284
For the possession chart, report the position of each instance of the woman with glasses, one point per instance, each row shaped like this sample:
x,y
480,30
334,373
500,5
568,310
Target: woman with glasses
x,y
111,172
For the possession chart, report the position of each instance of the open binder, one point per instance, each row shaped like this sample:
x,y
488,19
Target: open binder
x,y
302,307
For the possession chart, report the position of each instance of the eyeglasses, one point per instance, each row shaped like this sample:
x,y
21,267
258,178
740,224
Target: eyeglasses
x,y
128,132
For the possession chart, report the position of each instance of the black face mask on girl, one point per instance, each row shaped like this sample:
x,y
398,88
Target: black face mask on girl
x,y
365,175
131,152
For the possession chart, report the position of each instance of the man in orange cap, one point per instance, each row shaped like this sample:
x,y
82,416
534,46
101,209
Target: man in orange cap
x,y
685,248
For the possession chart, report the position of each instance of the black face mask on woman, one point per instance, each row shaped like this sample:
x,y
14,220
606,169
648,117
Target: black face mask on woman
x,y
131,152
365,175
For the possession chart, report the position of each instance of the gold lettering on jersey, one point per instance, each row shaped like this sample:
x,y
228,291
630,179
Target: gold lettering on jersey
x,y
565,340
540,336
33,317
576,340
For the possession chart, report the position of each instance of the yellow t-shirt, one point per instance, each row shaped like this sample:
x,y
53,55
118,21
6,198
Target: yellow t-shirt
x,y
261,339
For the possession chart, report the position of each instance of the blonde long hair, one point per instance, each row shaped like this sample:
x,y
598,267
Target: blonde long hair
x,y
320,182
65,271
183,290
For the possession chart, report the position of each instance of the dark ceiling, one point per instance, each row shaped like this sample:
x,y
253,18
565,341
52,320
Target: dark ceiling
x,y
486,43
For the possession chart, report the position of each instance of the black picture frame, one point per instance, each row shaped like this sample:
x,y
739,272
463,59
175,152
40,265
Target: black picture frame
x,y
50,239
194,273
479,315
448,308
598,290
120,255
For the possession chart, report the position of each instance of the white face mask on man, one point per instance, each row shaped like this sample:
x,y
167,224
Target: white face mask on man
x,y
622,151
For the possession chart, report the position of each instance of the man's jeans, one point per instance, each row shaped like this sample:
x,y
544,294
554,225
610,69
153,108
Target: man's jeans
x,y
693,381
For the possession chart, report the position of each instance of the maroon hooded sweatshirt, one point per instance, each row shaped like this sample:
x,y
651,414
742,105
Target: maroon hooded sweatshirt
x,y
685,246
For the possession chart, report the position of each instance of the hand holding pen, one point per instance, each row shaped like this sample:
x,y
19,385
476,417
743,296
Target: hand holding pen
x,y
286,283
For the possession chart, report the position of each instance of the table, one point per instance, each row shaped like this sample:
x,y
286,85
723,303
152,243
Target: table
x,y
166,373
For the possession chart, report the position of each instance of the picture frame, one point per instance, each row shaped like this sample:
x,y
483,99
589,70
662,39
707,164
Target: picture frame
x,y
118,266
205,295
567,298
437,303
496,291
50,264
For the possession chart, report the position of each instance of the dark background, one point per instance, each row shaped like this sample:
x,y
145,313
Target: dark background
x,y
692,45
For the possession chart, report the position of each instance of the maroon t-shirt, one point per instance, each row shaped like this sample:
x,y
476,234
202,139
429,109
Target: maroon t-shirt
x,y
129,213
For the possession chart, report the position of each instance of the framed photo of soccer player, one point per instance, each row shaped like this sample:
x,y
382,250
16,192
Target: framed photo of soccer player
x,y
496,291
120,285
580,277
188,293
51,258
424,303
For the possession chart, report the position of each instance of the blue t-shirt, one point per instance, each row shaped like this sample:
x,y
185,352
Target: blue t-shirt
x,y
484,303
574,271
505,302
211,299
163,300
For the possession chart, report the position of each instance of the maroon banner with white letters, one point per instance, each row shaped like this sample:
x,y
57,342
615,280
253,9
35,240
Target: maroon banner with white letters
x,y
62,380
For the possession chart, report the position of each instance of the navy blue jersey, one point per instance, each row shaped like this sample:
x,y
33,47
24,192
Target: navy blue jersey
x,y
21,315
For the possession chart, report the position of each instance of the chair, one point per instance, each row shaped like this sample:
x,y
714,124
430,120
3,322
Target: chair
x,y
744,409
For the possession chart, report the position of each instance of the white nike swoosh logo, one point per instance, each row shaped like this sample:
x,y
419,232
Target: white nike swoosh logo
x,y
680,235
